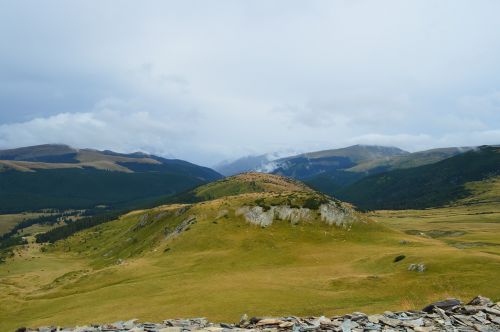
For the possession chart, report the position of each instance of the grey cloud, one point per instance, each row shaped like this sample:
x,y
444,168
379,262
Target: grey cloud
x,y
209,81
353,108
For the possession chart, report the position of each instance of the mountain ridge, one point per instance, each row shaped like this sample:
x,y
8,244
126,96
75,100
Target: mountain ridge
x,y
61,177
425,186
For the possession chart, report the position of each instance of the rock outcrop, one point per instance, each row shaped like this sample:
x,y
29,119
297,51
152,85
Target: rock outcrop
x,y
480,314
331,213
337,214
183,226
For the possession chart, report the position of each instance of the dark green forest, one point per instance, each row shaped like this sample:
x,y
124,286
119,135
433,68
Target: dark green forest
x,y
425,186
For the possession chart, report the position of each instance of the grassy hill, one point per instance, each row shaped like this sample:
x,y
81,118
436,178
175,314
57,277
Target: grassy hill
x,y
240,184
53,176
425,186
212,259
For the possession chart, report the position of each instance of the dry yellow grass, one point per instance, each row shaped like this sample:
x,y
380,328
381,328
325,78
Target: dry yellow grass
x,y
223,267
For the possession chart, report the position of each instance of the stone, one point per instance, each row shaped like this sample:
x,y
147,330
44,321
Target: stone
x,y
171,329
480,300
337,214
129,324
480,318
413,322
423,329
446,304
243,319
285,325
448,315
390,321
346,325
256,215
374,318
46,329
269,321
84,329
492,311
463,319
332,213
183,226
213,329
417,267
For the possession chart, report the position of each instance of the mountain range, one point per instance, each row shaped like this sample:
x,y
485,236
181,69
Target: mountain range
x,y
61,177
371,177
151,237
368,159
378,177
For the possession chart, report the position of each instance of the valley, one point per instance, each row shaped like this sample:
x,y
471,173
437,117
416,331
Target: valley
x,y
249,166
207,258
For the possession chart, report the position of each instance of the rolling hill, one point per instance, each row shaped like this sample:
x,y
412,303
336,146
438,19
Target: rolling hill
x,y
235,250
58,176
240,184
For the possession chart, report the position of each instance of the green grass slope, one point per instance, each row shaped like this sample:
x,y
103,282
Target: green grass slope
x,y
221,266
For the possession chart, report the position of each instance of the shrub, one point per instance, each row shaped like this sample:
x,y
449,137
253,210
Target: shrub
x,y
313,203
399,258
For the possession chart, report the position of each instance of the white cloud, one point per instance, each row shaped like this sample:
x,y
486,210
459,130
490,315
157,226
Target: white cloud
x,y
205,82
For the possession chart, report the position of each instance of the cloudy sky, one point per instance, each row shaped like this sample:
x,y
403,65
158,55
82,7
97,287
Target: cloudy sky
x,y
212,80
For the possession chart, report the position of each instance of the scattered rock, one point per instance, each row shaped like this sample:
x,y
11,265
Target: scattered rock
x,y
143,221
417,267
183,226
480,300
480,314
269,321
444,305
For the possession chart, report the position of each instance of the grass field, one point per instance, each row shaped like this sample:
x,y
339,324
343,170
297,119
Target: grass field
x,y
223,267
8,221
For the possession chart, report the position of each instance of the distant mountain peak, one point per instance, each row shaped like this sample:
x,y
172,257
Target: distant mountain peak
x,y
269,162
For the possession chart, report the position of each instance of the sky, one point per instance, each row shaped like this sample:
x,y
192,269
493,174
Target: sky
x,y
207,81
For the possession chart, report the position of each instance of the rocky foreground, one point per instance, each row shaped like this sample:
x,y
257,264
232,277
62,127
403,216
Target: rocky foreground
x,y
480,314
